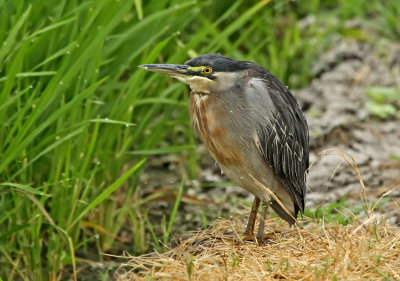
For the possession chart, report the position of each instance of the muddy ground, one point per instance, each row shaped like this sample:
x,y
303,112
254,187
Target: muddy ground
x,y
335,107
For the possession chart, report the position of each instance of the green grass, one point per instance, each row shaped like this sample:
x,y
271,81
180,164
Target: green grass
x,y
383,102
340,212
78,119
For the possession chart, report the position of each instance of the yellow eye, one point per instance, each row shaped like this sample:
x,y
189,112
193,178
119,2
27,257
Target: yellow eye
x,y
207,70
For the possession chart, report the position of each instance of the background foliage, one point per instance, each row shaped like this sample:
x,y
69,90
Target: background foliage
x,y
78,119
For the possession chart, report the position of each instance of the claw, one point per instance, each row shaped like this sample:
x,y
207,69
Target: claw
x,y
248,237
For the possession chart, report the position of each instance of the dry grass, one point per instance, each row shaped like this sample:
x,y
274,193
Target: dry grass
x,y
317,251
368,249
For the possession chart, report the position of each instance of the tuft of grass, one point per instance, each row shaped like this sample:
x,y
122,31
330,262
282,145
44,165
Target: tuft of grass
x,y
383,102
71,113
337,212
168,230
317,251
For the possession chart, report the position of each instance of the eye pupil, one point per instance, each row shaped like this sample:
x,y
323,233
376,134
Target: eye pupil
x,y
207,70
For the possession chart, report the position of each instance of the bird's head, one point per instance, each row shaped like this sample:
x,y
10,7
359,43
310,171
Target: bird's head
x,y
206,73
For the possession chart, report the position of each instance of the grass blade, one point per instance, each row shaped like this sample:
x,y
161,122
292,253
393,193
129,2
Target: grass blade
x,y
104,195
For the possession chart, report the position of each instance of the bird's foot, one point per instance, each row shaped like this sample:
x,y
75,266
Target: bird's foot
x,y
265,238
248,237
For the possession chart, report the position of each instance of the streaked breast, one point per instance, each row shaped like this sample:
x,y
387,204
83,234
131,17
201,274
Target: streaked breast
x,y
207,117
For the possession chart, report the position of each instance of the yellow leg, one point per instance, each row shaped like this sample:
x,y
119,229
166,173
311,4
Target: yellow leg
x,y
260,233
249,233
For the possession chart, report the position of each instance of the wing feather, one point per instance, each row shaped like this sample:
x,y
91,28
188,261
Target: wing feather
x,y
283,135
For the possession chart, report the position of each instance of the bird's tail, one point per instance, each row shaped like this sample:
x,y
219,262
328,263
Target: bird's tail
x,y
282,213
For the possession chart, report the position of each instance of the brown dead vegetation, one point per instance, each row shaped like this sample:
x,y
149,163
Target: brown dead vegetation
x,y
316,251
312,250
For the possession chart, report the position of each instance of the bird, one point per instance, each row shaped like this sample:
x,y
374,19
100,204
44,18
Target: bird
x,y
253,127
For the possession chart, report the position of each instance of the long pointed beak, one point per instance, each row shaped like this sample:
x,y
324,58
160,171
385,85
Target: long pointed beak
x,y
170,69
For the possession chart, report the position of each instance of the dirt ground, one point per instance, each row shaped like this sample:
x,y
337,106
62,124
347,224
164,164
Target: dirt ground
x,y
338,120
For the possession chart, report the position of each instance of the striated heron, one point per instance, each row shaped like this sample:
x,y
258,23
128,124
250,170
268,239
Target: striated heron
x,y
252,126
